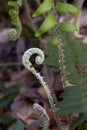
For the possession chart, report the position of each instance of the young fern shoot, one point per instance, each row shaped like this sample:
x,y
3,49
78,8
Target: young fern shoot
x,y
41,115
15,32
39,60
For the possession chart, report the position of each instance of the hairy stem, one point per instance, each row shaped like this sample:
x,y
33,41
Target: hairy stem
x,y
61,56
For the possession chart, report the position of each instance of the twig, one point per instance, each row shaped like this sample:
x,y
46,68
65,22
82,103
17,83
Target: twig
x,y
10,64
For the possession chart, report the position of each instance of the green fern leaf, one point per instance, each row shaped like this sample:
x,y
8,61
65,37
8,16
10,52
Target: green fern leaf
x,y
67,27
74,101
66,7
52,58
48,23
44,7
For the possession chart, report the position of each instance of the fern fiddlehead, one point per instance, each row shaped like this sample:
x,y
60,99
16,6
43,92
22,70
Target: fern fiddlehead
x,y
15,32
41,115
39,60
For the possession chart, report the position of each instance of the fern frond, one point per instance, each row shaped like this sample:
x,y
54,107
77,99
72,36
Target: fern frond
x,y
15,32
42,116
75,99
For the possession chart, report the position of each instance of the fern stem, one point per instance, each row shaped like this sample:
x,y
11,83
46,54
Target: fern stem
x,y
45,86
61,56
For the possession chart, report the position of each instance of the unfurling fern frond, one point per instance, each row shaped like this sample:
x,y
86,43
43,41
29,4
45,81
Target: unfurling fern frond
x,y
15,32
39,60
26,57
12,34
74,101
41,115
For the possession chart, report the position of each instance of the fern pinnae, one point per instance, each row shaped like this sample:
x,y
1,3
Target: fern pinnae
x,y
14,33
41,115
39,60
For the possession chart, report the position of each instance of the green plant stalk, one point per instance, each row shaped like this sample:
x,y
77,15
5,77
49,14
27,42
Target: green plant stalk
x,y
61,57
45,86
61,54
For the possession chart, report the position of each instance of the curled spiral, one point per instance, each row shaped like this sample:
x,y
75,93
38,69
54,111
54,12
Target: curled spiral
x,y
26,57
14,33
41,115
